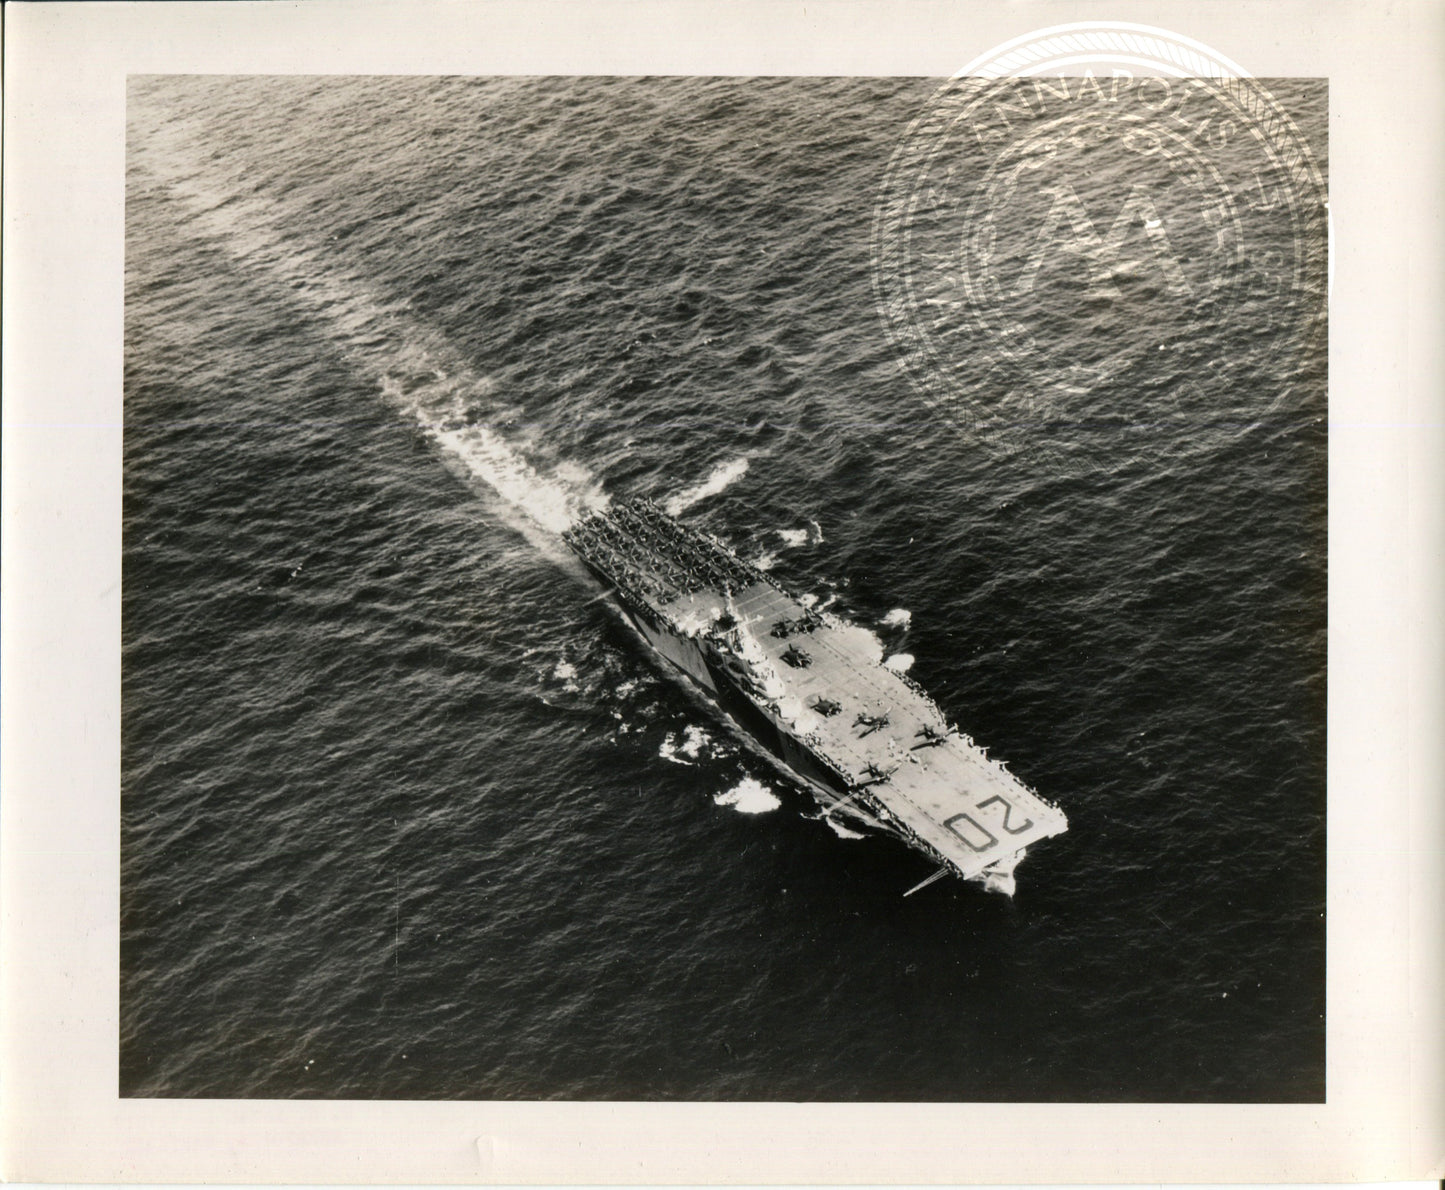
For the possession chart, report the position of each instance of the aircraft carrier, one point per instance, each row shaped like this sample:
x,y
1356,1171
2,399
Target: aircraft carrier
x,y
812,691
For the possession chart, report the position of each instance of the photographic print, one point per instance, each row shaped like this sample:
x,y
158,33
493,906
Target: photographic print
x,y
725,588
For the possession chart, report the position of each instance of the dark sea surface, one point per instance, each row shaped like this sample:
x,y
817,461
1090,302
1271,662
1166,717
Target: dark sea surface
x,y
408,814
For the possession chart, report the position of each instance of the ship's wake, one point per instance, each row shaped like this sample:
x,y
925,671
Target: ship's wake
x,y
413,366
722,477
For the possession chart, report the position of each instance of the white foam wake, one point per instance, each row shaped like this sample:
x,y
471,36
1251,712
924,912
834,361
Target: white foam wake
x,y
749,796
899,617
722,477
668,750
694,740
487,456
812,535
899,663
415,368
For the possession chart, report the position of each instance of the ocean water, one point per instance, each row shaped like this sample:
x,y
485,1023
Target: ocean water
x,y
407,813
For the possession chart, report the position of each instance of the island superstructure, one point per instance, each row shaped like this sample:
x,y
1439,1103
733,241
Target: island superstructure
x,y
812,691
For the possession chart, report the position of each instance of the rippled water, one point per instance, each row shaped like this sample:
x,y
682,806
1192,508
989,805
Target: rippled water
x,y
407,814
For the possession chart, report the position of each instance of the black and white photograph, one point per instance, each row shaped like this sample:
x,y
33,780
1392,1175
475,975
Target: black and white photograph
x,y
715,588
647,594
